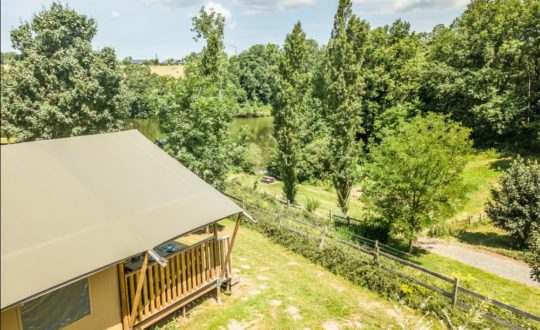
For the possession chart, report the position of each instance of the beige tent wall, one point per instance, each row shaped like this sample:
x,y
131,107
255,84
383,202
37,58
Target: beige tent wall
x,y
10,319
104,302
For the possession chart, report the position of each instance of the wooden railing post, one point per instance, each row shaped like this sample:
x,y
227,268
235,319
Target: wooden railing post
x,y
376,254
123,296
325,232
140,283
455,292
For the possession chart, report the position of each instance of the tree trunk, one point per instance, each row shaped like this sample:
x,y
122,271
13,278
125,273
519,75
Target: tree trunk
x,y
410,246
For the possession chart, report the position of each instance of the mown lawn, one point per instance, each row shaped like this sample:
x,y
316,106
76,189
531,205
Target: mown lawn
x,y
280,290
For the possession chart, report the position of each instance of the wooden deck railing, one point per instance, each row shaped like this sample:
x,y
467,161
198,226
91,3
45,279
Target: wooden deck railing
x,y
187,272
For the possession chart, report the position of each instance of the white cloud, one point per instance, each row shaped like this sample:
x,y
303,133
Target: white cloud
x,y
386,6
115,14
272,5
173,3
216,7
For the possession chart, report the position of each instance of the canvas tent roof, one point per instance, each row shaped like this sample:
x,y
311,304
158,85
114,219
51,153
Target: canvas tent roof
x,y
72,206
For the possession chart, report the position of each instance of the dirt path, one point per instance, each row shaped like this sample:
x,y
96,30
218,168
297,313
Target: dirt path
x,y
491,262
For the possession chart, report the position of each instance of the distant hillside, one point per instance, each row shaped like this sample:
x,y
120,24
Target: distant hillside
x,y
174,70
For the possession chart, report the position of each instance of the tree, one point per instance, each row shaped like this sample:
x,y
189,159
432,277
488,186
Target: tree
x,y
209,25
515,203
415,174
391,72
484,70
257,69
195,112
343,90
290,106
60,87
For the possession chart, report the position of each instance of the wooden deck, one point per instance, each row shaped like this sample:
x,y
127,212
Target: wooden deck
x,y
189,274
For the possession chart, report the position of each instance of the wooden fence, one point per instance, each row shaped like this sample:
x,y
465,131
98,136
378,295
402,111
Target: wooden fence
x,y
380,251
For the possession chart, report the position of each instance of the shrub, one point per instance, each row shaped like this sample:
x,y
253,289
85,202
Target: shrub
x,y
515,203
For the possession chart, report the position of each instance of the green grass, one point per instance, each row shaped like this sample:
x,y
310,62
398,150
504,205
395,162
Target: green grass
x,y
325,195
281,290
513,293
481,173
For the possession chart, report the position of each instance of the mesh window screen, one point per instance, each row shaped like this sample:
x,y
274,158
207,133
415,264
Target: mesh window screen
x,y
57,309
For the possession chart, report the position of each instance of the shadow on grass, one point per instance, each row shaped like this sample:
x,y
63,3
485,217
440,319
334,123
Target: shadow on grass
x,y
501,164
493,240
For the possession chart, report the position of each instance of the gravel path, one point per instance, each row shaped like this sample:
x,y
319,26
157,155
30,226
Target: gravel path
x,y
491,262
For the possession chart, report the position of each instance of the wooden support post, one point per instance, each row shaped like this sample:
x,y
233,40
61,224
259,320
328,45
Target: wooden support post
x,y
325,232
376,254
231,244
217,261
455,292
140,283
123,296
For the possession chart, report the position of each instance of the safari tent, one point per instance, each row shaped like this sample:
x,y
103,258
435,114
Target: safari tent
x,y
93,234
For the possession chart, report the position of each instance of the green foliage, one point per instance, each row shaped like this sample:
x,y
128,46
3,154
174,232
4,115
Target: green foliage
x,y
391,72
515,203
343,90
6,57
533,255
415,175
143,90
290,108
196,112
484,70
209,25
60,87
257,68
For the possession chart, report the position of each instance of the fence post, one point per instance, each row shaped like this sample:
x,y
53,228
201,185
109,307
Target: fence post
x,y
331,217
376,254
348,220
455,292
323,237
480,217
279,216
470,220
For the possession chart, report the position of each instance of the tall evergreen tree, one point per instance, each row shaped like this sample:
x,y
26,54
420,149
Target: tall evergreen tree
x,y
343,90
290,107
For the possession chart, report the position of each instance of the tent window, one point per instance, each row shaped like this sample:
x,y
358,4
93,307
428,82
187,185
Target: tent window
x,y
57,309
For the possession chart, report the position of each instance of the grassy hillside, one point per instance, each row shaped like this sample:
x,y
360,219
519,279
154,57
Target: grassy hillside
x,y
281,290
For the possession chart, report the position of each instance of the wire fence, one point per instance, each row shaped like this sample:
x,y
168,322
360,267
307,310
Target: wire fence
x,y
378,252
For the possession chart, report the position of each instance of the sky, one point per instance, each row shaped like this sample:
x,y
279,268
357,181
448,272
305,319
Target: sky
x,y
143,29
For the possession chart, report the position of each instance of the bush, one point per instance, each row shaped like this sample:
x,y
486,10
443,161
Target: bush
x,y
515,203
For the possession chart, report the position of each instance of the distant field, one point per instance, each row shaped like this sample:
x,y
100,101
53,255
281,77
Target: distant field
x,y
174,70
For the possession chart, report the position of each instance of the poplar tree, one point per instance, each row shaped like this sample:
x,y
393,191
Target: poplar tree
x,y
290,107
343,90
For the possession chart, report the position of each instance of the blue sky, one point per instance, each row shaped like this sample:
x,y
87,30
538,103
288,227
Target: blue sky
x,y
144,28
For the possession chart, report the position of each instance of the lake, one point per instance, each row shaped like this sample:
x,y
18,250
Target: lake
x,y
259,131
